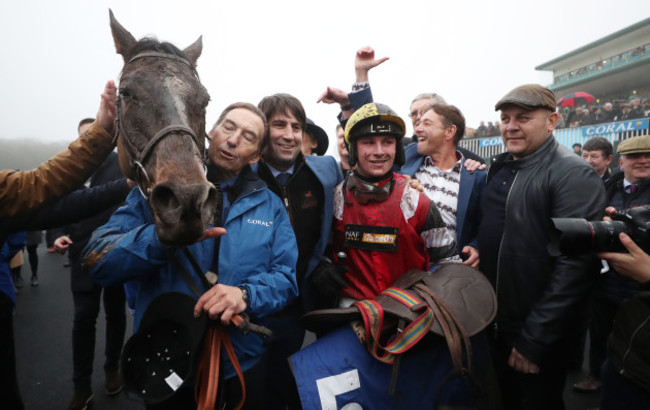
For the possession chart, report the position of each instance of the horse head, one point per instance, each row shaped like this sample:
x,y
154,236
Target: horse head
x,y
161,123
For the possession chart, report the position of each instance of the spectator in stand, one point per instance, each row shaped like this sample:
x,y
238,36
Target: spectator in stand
x,y
598,152
482,130
492,130
573,118
635,108
646,108
583,118
617,110
626,109
596,116
608,112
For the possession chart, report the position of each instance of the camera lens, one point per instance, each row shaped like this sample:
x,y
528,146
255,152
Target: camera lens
x,y
575,236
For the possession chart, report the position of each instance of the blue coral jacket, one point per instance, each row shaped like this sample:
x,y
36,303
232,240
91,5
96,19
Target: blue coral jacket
x,y
259,252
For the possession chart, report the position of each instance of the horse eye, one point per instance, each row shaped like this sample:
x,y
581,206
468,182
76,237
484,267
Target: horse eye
x,y
124,93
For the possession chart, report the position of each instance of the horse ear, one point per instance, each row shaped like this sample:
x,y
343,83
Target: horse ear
x,y
194,51
124,41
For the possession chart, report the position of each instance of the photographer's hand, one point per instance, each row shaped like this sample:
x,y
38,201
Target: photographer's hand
x,y
635,264
610,211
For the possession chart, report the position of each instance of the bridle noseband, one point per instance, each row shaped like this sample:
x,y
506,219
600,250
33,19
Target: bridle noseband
x,y
138,163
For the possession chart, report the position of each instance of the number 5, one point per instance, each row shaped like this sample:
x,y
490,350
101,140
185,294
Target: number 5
x,y
332,386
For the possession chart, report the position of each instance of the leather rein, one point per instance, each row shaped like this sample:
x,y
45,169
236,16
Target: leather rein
x,y
141,176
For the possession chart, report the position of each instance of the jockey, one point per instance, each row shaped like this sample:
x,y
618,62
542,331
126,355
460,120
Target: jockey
x,y
383,225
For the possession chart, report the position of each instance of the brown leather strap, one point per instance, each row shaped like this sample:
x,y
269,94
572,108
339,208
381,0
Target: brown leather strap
x,y
452,328
207,373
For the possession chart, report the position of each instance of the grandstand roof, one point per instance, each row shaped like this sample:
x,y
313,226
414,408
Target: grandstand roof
x,y
639,32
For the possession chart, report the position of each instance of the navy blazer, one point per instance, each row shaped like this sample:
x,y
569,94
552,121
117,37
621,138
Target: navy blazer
x,y
468,214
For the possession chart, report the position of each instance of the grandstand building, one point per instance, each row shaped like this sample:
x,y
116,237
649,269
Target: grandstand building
x,y
613,69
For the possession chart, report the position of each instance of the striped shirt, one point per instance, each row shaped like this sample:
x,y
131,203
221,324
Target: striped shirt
x,y
441,186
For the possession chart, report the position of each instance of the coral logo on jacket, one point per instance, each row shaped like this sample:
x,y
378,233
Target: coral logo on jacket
x,y
259,222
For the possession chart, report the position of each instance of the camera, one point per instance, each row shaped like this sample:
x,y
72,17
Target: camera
x,y
575,236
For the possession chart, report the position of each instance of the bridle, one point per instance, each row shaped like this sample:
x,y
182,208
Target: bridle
x,y
141,177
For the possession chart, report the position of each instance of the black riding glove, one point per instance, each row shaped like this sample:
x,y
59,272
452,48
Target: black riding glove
x,y
328,282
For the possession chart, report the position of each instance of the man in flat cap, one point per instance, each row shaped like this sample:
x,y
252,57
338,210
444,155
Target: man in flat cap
x,y
541,298
625,190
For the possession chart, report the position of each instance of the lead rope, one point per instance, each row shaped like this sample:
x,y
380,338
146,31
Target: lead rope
x,y
207,376
207,373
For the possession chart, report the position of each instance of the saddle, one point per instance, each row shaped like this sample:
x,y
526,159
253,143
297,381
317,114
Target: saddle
x,y
453,300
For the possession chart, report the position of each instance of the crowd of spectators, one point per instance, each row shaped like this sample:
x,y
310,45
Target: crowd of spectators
x,y
594,113
483,131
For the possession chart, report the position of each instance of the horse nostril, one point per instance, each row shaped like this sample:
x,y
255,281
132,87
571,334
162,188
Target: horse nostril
x,y
163,197
211,205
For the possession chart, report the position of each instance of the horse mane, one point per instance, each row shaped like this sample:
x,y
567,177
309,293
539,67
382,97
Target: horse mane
x,y
153,44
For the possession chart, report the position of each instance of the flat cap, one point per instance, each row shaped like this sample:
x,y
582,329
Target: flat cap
x,y
529,96
634,145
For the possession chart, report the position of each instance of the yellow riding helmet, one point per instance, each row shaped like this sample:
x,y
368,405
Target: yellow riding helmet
x,y
374,119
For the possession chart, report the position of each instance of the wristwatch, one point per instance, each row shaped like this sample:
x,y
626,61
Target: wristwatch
x,y
244,295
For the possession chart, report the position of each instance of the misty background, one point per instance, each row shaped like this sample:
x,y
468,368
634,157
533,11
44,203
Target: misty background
x,y
28,153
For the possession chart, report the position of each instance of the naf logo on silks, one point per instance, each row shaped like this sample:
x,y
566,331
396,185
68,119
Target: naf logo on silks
x,y
337,372
371,238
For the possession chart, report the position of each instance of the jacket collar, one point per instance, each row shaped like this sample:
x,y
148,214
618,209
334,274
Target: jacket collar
x,y
547,146
247,181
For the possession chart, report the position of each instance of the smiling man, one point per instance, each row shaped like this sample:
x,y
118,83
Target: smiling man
x,y
438,164
540,297
385,226
305,184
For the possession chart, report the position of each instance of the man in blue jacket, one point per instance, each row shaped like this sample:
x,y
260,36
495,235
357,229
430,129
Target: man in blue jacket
x,y
256,257
307,194
439,166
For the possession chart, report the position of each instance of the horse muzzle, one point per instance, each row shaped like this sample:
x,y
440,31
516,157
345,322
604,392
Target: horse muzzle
x,y
182,212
